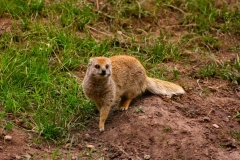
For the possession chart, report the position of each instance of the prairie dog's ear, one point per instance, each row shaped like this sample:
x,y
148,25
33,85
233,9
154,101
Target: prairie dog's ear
x,y
90,62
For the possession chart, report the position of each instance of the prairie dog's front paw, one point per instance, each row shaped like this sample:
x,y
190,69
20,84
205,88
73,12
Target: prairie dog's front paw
x,y
101,128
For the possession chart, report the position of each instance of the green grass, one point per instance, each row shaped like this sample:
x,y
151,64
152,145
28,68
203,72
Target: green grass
x,y
167,129
229,70
49,40
236,134
139,110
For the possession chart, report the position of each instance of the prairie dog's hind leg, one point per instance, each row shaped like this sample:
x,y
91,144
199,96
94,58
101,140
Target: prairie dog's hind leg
x,y
120,103
124,103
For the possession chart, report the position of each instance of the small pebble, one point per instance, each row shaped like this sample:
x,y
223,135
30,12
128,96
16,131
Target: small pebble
x,y
215,125
46,150
226,119
87,136
27,156
206,119
90,146
119,32
8,137
147,157
67,145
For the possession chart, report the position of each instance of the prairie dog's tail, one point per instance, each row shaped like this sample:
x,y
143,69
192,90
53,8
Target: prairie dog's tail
x,y
161,87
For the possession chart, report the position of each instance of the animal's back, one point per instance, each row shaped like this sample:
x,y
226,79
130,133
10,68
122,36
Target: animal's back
x,y
129,76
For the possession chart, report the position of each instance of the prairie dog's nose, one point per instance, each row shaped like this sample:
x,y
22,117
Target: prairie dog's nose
x,y
103,72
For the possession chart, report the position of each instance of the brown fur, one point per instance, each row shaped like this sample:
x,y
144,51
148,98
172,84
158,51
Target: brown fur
x,y
120,77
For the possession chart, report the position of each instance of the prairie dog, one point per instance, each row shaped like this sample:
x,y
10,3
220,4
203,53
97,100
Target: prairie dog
x,y
120,77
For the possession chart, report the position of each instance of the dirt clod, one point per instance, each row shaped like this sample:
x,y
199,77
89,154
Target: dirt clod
x,y
8,138
74,157
18,157
27,156
87,136
90,146
206,119
215,125
67,145
147,157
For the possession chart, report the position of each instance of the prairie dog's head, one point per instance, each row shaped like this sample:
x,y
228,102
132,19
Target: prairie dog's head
x,y
99,67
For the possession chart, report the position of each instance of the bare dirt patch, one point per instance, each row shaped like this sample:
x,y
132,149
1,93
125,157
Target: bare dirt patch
x,y
20,146
5,25
198,125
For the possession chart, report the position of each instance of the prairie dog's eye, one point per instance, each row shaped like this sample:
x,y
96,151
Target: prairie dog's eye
x,y
107,66
97,66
